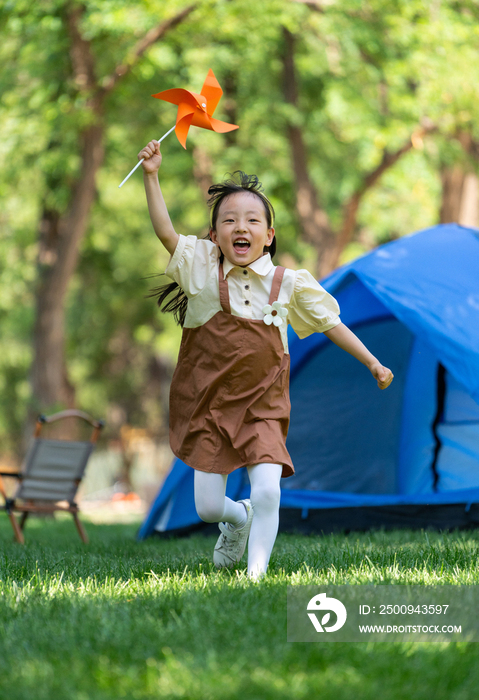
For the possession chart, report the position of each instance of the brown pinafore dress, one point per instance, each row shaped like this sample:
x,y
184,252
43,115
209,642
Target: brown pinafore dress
x,y
229,397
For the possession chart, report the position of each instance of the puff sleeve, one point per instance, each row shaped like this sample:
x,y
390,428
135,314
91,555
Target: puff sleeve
x,y
192,264
311,308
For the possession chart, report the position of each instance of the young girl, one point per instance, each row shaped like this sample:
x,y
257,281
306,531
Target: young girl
x,y
229,398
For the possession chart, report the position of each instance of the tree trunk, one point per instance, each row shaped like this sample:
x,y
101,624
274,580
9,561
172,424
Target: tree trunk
x,y
230,91
460,186
452,180
459,197
57,264
202,170
469,212
60,237
313,220
351,208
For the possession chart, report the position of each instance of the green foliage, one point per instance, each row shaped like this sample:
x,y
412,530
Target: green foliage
x,y
368,73
154,619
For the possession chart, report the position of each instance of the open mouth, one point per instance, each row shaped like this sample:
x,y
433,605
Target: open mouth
x,y
241,245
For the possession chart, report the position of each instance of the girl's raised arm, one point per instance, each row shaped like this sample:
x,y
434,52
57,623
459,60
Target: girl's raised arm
x,y
156,204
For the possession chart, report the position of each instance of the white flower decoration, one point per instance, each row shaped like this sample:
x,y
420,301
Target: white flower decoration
x,y
274,313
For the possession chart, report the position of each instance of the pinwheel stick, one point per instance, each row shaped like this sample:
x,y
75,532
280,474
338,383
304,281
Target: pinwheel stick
x,y
141,161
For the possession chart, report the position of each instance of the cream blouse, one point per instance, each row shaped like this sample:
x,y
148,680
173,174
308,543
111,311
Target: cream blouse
x,y
194,266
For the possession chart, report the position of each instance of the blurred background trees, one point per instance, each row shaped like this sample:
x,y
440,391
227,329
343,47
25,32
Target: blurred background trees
x,y
359,116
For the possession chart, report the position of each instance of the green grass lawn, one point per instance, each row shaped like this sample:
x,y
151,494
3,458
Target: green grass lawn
x,y
121,619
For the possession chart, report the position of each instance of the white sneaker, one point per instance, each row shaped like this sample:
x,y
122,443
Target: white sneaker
x,y
232,542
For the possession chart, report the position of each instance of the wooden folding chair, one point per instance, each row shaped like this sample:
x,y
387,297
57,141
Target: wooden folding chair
x,y
51,474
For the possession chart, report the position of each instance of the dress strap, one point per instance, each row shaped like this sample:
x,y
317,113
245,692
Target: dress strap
x,y
276,286
224,293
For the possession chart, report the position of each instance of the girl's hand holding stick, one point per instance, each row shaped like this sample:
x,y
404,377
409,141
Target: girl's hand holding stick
x,y
150,157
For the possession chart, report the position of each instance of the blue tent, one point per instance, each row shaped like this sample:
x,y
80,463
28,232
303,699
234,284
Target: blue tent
x,y
405,456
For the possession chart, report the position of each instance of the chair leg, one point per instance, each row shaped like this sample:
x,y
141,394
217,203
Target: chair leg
x,y
80,528
23,519
16,530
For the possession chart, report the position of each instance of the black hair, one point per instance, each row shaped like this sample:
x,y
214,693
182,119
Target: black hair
x,y
170,297
247,183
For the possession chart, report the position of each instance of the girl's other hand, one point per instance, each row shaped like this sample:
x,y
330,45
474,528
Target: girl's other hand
x,y
383,375
151,154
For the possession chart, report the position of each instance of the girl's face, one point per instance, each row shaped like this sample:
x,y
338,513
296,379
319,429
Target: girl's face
x,y
241,228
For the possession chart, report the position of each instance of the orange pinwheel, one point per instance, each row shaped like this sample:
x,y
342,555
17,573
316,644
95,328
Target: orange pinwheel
x,y
196,110
193,110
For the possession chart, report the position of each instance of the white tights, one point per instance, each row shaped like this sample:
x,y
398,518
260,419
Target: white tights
x,y
213,506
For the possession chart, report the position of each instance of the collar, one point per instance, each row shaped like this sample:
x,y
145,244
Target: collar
x,y
262,266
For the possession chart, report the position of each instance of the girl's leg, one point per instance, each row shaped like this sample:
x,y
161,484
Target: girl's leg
x,y
265,496
211,503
